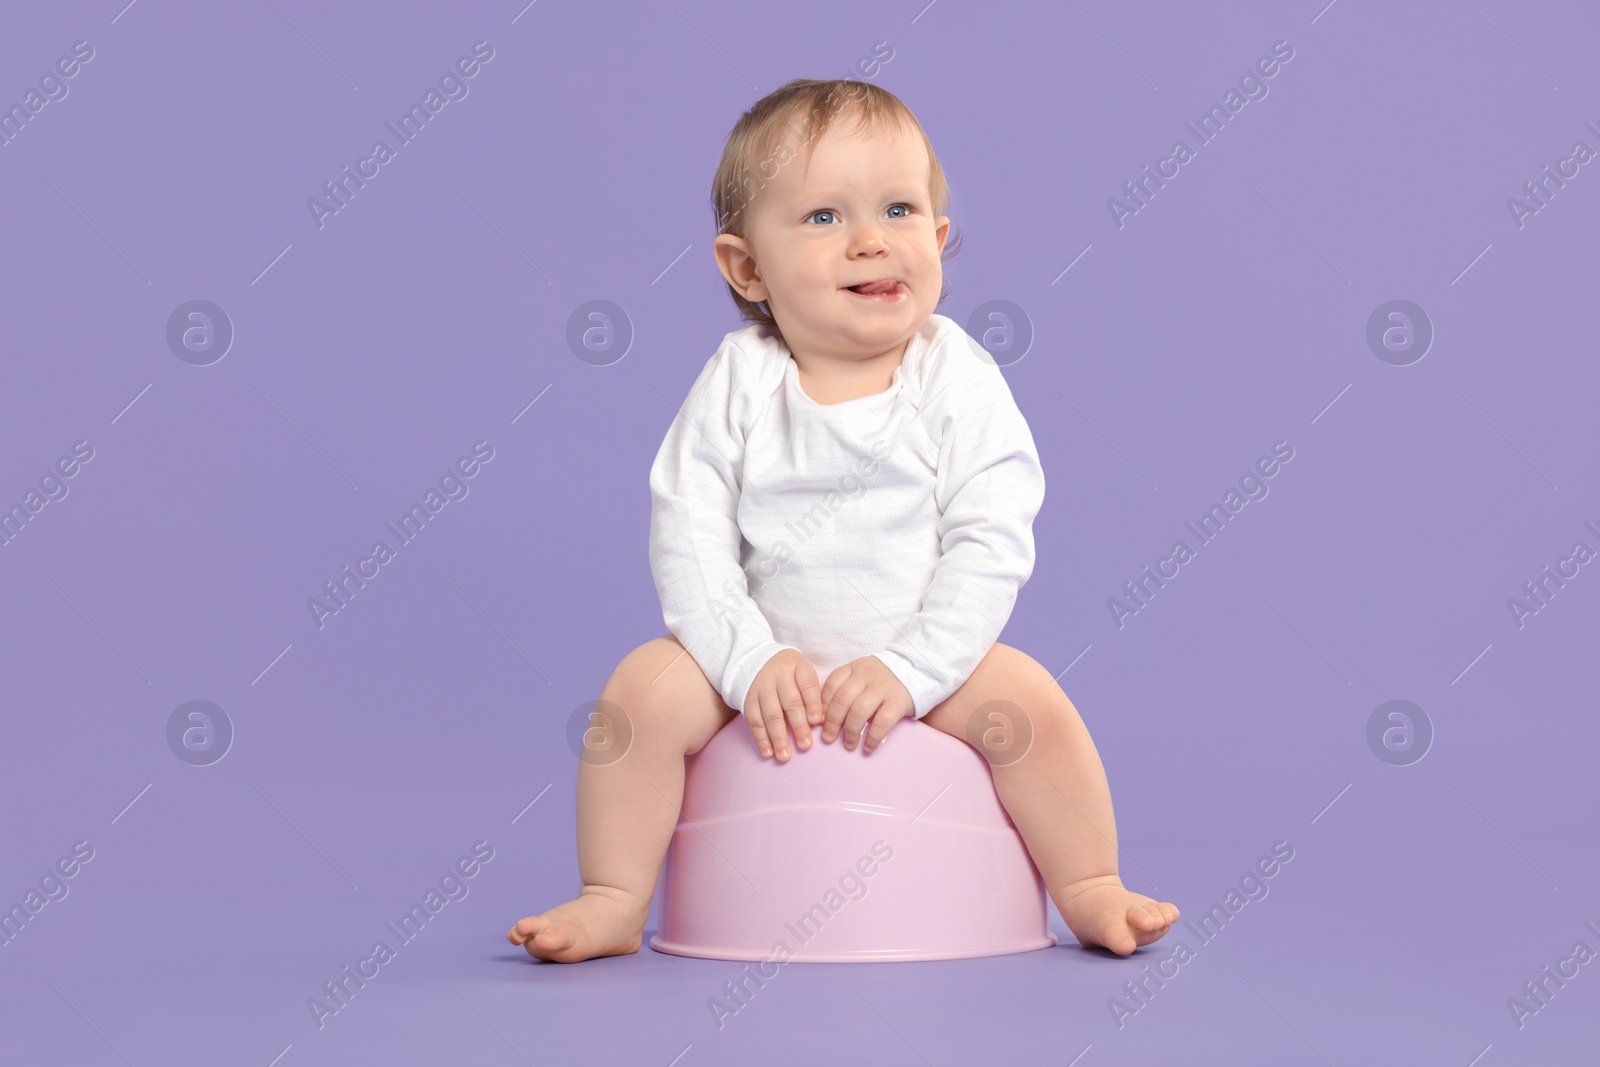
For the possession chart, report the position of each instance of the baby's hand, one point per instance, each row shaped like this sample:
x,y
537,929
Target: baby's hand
x,y
786,685
864,689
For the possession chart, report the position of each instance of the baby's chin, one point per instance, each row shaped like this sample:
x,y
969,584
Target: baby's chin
x,y
839,315
854,329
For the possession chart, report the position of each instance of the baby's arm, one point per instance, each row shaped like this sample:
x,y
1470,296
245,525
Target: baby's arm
x,y
694,558
989,487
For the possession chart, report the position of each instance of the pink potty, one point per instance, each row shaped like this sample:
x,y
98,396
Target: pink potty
x,y
839,856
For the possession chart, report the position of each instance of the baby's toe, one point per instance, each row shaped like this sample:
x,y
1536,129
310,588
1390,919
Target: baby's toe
x,y
1122,943
557,936
1146,917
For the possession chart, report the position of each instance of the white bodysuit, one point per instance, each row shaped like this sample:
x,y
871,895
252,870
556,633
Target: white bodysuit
x,y
897,525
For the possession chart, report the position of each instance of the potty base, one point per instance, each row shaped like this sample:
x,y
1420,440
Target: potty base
x,y
842,857
859,956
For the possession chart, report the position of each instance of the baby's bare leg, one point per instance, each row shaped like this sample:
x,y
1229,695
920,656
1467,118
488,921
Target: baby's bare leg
x,y
1056,794
627,808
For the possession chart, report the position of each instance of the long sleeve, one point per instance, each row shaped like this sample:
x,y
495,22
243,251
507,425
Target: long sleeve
x,y
989,488
695,539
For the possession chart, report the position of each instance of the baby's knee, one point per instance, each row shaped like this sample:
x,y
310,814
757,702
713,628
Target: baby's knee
x,y
1028,687
642,671
661,689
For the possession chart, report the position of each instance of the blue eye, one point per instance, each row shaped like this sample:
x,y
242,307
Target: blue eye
x,y
834,215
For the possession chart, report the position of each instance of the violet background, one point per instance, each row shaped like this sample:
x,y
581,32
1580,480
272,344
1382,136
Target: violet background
x,y
432,311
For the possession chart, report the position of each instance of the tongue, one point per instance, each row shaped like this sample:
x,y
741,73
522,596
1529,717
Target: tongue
x,y
876,288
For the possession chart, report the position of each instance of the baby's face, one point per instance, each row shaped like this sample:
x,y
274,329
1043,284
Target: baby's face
x,y
859,212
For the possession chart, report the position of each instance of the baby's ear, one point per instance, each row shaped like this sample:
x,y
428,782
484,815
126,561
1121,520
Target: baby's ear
x,y
738,266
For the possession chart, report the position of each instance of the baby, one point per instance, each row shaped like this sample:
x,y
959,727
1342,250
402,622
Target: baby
x,y
849,487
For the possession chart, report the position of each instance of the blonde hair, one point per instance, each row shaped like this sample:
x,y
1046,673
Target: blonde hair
x,y
753,139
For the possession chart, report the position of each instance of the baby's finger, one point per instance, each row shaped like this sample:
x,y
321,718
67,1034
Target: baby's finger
x,y
805,676
882,722
758,729
772,716
833,715
794,707
855,721
836,678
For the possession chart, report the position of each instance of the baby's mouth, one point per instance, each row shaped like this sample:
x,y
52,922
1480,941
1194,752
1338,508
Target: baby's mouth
x,y
882,287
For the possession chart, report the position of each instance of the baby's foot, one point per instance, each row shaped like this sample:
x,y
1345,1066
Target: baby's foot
x,y
598,923
1114,918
